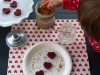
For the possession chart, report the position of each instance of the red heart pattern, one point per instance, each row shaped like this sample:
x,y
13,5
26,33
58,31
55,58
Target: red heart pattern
x,y
26,25
78,70
31,24
34,34
72,70
21,61
12,66
16,52
10,61
80,65
15,71
16,61
21,71
9,71
18,66
74,65
21,24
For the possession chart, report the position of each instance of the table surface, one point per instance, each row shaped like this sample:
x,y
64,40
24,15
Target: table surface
x,y
60,14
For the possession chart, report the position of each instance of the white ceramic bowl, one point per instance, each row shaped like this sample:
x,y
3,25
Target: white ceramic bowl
x,y
10,19
46,45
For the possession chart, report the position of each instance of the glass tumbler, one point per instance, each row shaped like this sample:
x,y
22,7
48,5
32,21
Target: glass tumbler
x,y
67,33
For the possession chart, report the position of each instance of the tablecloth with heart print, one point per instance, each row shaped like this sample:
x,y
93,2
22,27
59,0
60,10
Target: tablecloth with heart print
x,y
77,50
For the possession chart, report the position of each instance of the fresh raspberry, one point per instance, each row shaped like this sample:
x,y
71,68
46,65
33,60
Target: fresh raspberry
x,y
51,55
13,4
47,65
6,10
17,12
41,72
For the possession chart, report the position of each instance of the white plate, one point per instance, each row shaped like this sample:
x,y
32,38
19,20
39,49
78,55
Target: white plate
x,y
47,46
10,19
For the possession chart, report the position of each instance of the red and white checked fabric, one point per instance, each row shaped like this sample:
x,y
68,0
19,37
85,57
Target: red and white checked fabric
x,y
77,50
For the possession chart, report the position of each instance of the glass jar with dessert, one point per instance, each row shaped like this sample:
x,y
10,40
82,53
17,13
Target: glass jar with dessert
x,y
45,17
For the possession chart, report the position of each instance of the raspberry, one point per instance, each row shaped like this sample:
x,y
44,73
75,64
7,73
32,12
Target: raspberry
x,y
51,55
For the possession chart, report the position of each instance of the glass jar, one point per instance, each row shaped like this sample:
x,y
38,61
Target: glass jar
x,y
44,21
67,33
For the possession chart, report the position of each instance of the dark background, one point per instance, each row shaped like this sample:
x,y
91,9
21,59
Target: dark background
x,y
94,58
